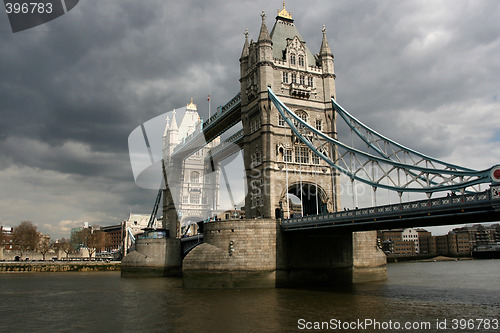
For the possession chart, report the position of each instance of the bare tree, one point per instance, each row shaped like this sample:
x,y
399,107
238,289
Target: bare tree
x,y
65,246
25,237
45,246
94,240
2,237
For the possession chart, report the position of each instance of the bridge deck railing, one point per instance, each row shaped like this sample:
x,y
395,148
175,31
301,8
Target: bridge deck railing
x,y
212,121
233,139
455,200
221,110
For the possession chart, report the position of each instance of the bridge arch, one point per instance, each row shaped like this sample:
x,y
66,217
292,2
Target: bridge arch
x,y
304,196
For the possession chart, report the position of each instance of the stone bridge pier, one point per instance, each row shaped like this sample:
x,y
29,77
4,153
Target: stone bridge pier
x,y
256,254
325,258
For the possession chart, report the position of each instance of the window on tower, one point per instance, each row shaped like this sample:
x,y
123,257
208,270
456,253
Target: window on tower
x,y
301,154
255,124
195,177
302,115
281,121
285,77
319,124
315,158
194,198
301,60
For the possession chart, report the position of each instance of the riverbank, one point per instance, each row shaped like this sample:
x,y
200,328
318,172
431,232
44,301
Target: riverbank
x,y
58,266
425,258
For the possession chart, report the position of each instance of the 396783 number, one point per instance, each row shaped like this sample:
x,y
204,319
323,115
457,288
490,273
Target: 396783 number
x,y
28,8
471,324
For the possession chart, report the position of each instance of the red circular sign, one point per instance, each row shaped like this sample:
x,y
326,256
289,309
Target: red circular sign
x,y
496,174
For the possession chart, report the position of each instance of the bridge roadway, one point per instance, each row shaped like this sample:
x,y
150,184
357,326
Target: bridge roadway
x,y
460,209
226,117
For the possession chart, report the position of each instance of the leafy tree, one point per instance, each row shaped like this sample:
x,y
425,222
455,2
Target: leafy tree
x,y
25,237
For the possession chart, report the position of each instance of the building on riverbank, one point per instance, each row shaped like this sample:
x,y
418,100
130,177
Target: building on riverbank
x,y
458,242
6,237
403,242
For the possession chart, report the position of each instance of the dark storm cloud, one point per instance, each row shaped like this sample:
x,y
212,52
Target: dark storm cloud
x,y
71,91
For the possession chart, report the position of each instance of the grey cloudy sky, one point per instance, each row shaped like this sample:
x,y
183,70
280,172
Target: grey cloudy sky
x,y
425,73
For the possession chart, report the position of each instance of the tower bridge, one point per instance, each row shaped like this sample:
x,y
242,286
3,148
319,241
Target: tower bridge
x,y
288,110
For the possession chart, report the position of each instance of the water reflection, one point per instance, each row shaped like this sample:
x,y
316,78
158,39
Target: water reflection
x,y
104,302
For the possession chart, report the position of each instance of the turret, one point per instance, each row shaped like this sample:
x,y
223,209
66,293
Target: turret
x,y
264,42
326,55
326,62
244,63
173,135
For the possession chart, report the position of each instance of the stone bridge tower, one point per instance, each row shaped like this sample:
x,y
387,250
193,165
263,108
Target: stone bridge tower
x,y
278,166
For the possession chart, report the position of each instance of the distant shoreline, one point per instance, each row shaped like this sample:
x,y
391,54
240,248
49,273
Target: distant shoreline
x,y
58,266
427,259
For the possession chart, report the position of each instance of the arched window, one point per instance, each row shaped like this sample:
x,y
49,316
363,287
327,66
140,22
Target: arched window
x,y
281,153
301,60
292,59
302,115
195,177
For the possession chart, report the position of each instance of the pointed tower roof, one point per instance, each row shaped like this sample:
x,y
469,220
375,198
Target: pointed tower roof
x,y
284,29
173,124
264,33
325,48
165,133
246,46
190,120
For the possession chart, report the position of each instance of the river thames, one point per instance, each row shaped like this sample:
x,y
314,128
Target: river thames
x,y
458,294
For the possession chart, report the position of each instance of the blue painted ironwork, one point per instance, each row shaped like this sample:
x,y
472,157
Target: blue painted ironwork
x,y
486,203
386,147
422,179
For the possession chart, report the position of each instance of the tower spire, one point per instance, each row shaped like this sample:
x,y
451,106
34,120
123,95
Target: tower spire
x,y
173,124
325,48
167,127
264,33
246,46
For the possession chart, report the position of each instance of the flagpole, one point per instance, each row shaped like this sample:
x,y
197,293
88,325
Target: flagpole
x,y
209,114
